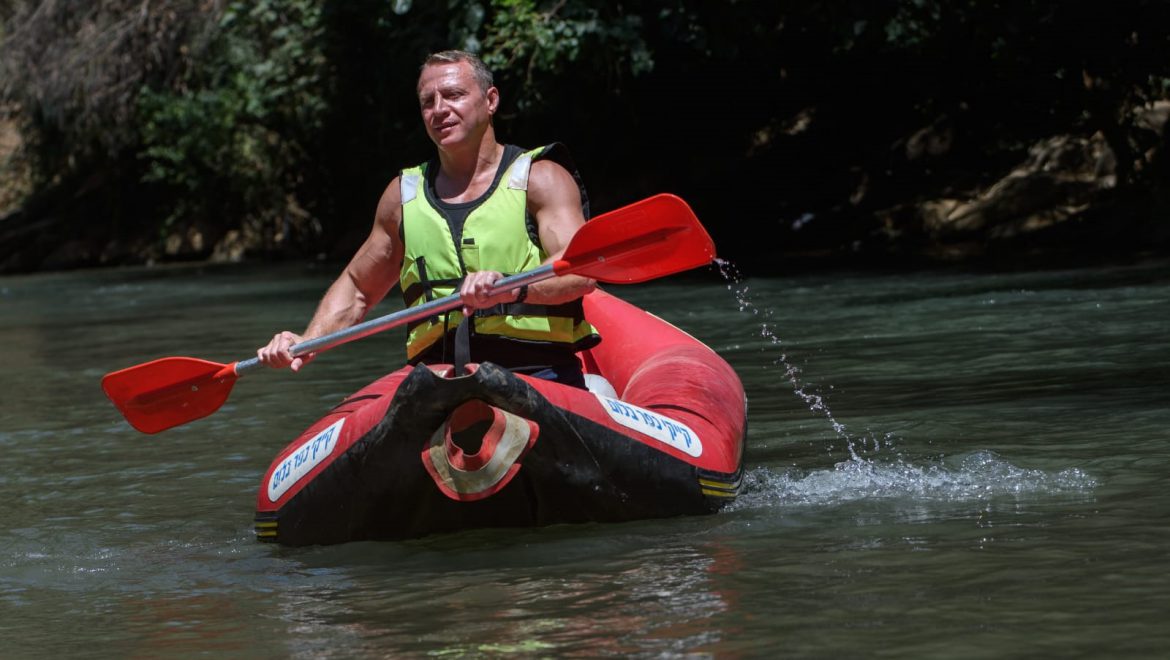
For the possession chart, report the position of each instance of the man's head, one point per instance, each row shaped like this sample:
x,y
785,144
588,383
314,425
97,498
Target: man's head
x,y
483,75
457,98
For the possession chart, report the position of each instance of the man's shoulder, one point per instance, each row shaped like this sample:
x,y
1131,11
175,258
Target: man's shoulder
x,y
554,176
549,173
555,161
556,152
393,189
390,204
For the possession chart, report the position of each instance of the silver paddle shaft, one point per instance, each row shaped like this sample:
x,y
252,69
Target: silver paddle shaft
x,y
402,317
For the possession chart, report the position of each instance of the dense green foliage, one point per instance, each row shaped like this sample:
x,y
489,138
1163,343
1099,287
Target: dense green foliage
x,y
236,136
798,123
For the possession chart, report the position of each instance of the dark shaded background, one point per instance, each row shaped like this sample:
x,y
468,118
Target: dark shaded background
x,y
802,132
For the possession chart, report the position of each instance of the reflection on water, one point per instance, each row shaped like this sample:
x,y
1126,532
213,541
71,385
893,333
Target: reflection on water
x,y
938,464
529,592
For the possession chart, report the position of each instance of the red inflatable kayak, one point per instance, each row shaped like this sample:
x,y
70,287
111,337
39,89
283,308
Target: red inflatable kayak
x,y
660,433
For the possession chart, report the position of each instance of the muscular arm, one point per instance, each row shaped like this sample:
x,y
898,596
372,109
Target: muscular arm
x,y
369,275
555,201
365,281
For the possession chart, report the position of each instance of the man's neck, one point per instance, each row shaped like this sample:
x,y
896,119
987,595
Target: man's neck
x,y
464,175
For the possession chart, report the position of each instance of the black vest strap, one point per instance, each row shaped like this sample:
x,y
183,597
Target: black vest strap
x,y
424,288
462,346
418,290
573,310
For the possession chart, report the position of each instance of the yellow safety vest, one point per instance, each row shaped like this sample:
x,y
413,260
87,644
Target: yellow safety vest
x,y
439,252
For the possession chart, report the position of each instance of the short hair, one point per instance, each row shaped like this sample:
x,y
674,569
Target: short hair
x,y
483,75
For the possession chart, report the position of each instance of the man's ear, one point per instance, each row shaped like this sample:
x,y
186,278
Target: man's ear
x,y
493,98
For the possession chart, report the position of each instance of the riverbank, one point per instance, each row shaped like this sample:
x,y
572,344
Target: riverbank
x,y
1062,204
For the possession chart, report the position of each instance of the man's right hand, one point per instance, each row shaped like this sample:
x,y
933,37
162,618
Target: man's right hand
x,y
276,354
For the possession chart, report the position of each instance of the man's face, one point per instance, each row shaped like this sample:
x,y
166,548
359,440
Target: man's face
x,y
454,108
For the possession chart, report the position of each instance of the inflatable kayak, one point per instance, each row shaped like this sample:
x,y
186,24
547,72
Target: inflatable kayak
x,y
660,433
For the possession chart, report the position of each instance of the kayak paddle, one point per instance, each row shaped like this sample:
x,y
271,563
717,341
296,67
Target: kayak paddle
x,y
652,238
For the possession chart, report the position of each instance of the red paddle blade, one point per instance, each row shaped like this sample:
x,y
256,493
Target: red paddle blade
x,y
165,393
655,237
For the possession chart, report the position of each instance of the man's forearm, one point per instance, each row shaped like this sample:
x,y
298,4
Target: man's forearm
x,y
560,290
342,306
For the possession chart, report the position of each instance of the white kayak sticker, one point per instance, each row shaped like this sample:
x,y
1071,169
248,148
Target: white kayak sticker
x,y
664,429
302,461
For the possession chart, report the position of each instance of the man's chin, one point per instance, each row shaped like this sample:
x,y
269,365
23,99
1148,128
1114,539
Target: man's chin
x,y
447,141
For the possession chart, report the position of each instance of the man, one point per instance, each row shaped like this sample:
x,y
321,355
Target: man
x,y
459,223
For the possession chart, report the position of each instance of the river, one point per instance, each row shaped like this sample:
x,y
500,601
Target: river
x,y
940,464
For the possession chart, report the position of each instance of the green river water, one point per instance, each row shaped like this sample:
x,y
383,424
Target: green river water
x,y
940,464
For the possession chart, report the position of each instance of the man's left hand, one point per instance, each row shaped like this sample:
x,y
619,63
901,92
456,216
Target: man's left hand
x,y
476,291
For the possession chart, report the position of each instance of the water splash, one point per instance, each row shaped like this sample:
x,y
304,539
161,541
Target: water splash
x,y
856,445
975,476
